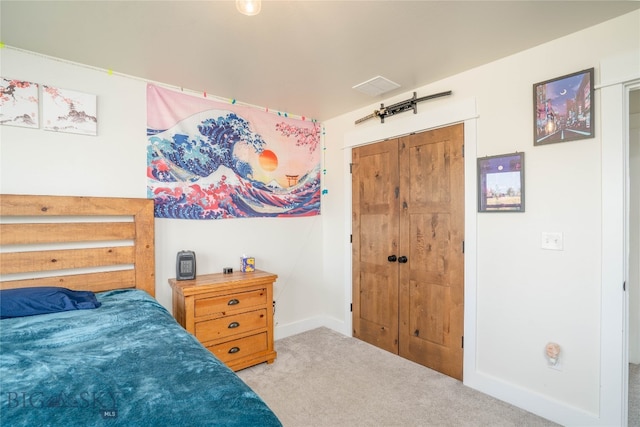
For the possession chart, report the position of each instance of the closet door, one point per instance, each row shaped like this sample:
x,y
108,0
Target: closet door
x,y
432,237
375,231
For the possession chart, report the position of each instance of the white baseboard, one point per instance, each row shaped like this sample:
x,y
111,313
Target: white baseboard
x,y
283,331
533,402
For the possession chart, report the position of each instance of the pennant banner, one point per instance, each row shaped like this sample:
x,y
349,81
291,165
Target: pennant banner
x,y
211,160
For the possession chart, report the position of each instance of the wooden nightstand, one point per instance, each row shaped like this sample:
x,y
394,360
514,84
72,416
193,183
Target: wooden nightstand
x,y
230,314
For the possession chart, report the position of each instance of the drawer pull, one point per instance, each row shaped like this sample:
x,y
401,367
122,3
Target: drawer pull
x,y
233,325
233,302
234,350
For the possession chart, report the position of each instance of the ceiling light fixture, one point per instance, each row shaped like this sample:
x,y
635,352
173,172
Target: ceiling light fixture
x,y
249,7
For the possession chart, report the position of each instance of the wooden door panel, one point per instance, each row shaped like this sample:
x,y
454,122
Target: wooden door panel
x,y
426,318
428,167
434,342
429,246
428,292
431,236
379,311
374,238
376,297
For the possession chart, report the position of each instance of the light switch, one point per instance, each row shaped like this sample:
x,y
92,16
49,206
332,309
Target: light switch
x,y
552,241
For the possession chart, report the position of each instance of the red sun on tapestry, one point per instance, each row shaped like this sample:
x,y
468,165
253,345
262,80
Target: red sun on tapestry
x,y
268,160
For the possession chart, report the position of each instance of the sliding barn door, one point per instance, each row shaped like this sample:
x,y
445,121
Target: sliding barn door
x,y
408,233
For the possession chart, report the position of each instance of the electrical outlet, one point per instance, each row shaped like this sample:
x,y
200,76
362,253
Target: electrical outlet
x,y
552,241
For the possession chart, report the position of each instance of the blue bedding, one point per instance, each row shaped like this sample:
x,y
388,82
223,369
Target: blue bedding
x,y
125,363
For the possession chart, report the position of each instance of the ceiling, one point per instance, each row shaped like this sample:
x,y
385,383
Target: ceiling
x,y
299,57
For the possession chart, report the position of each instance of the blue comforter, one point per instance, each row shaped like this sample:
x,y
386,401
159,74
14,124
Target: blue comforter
x,y
126,363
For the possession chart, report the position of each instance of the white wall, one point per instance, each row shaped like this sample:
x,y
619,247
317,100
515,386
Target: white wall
x,y
527,296
523,296
113,164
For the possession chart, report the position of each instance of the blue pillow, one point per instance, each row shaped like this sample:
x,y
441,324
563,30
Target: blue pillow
x,y
30,301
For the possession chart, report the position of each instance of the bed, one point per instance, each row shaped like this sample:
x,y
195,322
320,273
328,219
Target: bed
x,y
117,357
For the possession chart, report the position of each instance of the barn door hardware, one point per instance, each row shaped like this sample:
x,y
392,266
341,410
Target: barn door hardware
x,y
401,107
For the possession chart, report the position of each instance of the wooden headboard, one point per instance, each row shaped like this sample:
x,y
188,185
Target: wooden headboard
x,y
81,243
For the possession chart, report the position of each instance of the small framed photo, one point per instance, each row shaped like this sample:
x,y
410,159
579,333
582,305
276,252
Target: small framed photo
x,y
563,108
501,183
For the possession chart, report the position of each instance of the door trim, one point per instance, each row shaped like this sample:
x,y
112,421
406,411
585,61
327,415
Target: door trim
x,y
614,397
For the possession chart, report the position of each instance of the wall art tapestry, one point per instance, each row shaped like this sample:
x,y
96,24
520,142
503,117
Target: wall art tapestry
x,y
69,111
19,103
208,159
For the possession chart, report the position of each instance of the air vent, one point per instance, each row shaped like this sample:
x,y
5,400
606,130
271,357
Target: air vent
x,y
376,86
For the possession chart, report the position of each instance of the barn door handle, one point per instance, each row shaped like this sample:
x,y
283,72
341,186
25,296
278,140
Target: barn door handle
x,y
403,259
392,258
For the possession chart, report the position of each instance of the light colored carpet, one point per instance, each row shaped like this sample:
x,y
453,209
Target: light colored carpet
x,y
322,378
634,395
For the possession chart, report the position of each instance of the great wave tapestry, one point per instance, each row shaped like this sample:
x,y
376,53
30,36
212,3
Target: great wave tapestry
x,y
211,160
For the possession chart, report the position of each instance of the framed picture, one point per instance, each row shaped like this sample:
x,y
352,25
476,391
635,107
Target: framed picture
x,y
563,108
18,103
69,111
501,183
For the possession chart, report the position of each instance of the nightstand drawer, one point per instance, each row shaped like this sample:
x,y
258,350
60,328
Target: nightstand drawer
x,y
243,347
221,304
231,325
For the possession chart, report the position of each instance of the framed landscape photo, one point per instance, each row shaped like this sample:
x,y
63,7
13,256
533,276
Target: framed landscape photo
x,y
501,183
563,108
